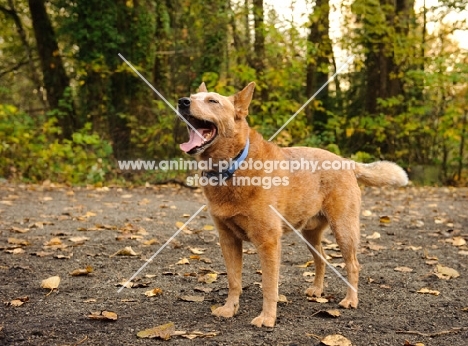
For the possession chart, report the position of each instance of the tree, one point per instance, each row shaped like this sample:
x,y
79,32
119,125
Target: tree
x,y
55,78
319,56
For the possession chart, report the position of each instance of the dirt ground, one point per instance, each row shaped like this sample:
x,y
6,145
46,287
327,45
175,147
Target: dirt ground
x,y
41,235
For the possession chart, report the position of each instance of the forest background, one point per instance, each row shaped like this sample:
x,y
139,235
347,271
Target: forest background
x,y
70,108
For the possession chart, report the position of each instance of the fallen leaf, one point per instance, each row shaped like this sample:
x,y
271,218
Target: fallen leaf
x,y
308,274
154,292
192,298
385,219
126,251
318,300
103,315
64,256
19,230
51,283
83,271
183,261
78,239
203,289
403,269
179,224
335,340
16,241
463,253
163,331
208,278
458,241
208,228
198,334
90,300
366,213
428,257
446,273
415,248
42,253
375,235
18,301
428,291
151,242
282,299
329,313
376,247
16,251
53,242
197,250
305,265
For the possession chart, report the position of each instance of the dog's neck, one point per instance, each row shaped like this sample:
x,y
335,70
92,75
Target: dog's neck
x,y
233,165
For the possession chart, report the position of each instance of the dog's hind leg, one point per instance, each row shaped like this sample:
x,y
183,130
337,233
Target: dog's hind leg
x,y
231,246
312,232
344,222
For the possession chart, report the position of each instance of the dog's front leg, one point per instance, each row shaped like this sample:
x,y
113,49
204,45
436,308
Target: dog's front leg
x,y
270,258
231,246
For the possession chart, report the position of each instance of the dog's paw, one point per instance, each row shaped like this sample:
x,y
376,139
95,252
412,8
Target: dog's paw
x,y
262,320
314,291
349,303
226,310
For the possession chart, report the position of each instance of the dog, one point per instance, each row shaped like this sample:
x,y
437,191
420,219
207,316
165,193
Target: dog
x,y
310,201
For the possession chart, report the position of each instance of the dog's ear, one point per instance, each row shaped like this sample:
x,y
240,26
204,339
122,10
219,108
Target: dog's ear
x,y
202,88
242,100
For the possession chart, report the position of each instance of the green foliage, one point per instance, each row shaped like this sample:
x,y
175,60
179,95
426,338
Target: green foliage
x,y
30,151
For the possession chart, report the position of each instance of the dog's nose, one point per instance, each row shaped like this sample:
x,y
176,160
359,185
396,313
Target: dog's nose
x,y
184,102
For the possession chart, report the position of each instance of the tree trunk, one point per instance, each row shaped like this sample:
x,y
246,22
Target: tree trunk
x,y
55,78
319,53
259,48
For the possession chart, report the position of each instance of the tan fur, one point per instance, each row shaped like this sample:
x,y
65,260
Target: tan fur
x,y
311,202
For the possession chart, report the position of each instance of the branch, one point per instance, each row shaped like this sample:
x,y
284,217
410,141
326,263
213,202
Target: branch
x,y
14,68
431,335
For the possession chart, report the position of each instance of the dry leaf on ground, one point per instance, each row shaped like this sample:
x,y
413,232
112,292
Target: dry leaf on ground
x,y
403,269
183,261
18,301
163,331
51,283
446,273
192,298
16,241
154,292
375,235
103,315
197,250
335,340
208,278
126,251
428,291
82,271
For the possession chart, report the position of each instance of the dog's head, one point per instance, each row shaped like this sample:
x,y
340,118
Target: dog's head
x,y
217,119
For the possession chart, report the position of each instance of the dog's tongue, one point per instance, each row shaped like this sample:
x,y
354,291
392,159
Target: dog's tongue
x,y
195,140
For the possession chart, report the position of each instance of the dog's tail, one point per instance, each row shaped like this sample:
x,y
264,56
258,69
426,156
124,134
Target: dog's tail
x,y
380,173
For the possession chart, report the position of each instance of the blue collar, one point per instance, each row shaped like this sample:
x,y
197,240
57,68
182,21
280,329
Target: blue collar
x,y
228,173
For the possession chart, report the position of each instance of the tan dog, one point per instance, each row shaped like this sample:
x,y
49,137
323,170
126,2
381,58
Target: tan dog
x,y
309,200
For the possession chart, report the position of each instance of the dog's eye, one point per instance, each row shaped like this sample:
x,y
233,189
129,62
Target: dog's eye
x,y
213,101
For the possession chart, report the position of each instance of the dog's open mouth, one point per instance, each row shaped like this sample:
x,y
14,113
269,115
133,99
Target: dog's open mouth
x,y
197,144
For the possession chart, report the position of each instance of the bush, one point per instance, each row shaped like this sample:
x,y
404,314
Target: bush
x,y
31,151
